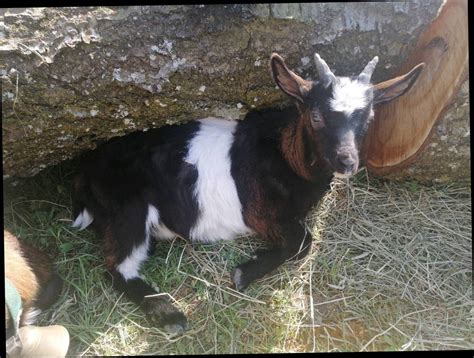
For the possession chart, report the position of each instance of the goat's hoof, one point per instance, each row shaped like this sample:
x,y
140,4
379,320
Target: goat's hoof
x,y
175,323
164,314
238,278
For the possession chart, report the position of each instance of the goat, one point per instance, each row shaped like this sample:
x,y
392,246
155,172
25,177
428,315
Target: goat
x,y
31,285
213,179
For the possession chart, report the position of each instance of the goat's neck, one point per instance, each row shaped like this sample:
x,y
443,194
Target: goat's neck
x,y
293,147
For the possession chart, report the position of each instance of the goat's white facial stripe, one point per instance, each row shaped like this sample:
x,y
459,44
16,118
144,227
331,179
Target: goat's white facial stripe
x,y
348,95
348,139
220,216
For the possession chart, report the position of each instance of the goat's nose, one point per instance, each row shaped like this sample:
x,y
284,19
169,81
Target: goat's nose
x,y
346,160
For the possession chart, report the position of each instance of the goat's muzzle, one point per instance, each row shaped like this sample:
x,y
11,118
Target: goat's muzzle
x,y
346,163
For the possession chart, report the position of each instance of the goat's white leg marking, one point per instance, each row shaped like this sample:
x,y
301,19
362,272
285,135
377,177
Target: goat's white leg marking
x,y
83,220
130,267
220,210
155,227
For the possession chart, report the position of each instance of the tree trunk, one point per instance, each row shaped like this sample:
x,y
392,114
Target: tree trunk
x,y
75,77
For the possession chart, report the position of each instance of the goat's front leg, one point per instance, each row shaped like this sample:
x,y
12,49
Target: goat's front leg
x,y
293,242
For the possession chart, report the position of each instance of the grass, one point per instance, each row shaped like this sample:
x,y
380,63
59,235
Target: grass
x,y
390,269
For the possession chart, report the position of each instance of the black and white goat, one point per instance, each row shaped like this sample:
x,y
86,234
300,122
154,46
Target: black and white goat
x,y
212,179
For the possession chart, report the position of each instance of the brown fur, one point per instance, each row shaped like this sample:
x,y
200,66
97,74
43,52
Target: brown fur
x,y
260,217
39,262
28,269
288,81
292,146
19,272
110,249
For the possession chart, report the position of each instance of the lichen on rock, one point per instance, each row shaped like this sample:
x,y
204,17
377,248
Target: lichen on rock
x,y
74,77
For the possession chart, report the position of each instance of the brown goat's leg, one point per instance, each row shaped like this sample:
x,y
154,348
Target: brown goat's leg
x,y
294,243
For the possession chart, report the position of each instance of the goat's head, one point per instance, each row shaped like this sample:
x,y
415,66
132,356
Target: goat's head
x,y
337,110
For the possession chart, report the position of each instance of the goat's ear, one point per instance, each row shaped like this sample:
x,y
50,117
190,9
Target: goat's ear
x,y
288,81
395,87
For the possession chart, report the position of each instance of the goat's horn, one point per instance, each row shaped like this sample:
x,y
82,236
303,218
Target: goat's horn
x,y
366,74
325,74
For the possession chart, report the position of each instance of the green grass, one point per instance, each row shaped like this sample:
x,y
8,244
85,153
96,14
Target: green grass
x,y
390,269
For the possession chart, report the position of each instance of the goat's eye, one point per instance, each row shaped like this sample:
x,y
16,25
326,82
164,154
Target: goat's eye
x,y
316,117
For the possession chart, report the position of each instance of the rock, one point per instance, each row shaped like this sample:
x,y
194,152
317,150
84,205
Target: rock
x,y
75,77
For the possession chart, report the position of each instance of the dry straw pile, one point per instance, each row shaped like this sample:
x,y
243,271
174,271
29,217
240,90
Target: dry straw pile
x,y
390,269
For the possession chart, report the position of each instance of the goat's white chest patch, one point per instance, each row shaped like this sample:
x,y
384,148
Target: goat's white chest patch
x,y
220,211
348,95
